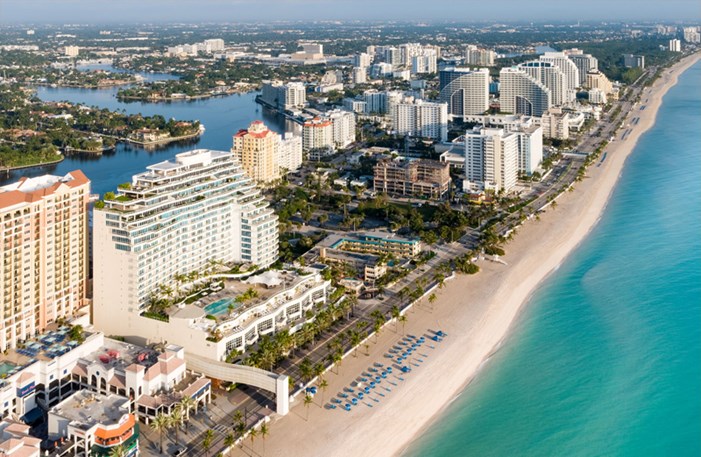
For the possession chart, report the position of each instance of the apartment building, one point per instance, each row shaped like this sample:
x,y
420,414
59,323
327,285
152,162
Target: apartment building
x,y
552,78
378,244
465,91
45,253
491,159
419,118
317,134
566,66
584,62
174,219
479,57
521,93
257,149
289,96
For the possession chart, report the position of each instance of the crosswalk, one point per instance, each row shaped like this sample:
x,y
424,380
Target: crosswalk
x,y
221,428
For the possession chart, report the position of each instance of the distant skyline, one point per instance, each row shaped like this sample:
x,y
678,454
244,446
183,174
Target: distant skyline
x,y
125,11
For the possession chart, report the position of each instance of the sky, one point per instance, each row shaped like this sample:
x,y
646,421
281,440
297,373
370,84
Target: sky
x,y
124,11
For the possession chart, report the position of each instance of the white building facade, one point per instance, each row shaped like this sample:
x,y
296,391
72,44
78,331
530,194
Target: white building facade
x,y
491,159
174,219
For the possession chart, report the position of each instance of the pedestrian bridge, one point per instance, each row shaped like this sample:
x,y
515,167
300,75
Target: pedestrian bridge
x,y
242,374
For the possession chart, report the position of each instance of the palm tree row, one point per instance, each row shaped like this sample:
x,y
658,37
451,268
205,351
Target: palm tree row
x,y
181,413
272,349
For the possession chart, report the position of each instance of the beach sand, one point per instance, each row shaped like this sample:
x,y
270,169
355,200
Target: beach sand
x,y
476,313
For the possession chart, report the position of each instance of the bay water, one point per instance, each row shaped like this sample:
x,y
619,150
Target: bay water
x,y
221,116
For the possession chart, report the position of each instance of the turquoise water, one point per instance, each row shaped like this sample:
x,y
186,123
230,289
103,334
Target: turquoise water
x,y
6,367
606,358
219,306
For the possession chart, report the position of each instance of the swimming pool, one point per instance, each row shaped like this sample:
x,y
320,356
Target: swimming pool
x,y
6,367
220,306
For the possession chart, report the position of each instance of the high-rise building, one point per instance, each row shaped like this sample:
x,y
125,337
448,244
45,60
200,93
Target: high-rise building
x,y
491,159
174,219
343,127
317,134
426,63
520,93
675,45
375,101
362,60
691,35
552,78
414,117
45,253
597,97
290,153
479,57
381,70
598,80
359,75
393,56
71,51
465,91
584,63
530,137
530,148
213,45
633,61
289,96
566,66
257,149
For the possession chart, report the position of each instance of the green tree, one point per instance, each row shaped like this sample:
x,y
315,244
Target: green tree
x,y
307,402
229,441
176,420
118,451
207,441
264,431
160,424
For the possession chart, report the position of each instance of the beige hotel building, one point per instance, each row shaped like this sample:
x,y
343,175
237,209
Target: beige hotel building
x,y
44,253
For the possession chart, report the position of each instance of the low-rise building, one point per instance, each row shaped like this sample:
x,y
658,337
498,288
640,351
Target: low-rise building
x,y
235,315
378,243
96,423
419,178
15,440
368,267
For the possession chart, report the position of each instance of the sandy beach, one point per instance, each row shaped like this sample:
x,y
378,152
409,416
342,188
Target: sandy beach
x,y
475,311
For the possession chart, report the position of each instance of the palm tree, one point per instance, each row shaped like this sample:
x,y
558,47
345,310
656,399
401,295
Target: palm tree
x,y
207,440
118,451
306,369
307,401
186,404
395,315
355,340
432,298
176,420
323,384
229,441
403,320
239,424
319,370
161,423
263,433
252,433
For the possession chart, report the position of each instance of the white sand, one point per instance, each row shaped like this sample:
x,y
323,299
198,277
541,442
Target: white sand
x,y
476,312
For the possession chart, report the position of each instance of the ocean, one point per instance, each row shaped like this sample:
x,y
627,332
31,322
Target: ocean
x,y
605,359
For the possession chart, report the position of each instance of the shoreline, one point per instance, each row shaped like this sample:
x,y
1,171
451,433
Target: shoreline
x,y
477,312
